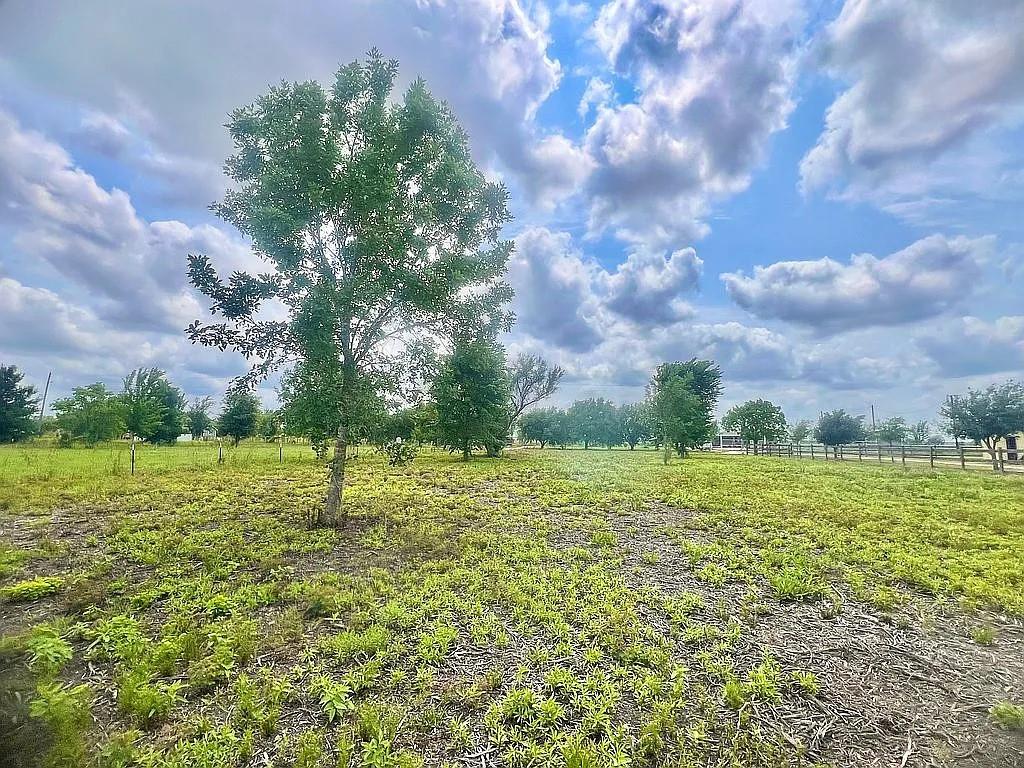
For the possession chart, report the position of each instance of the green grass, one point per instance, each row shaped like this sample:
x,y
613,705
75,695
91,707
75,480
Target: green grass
x,y
469,608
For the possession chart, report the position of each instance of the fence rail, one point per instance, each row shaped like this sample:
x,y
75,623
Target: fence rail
x,y
936,456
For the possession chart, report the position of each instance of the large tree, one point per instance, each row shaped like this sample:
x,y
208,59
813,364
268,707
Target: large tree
x,y
240,417
592,421
471,394
376,225
987,416
682,397
539,425
757,422
92,414
143,408
634,423
838,427
17,405
531,380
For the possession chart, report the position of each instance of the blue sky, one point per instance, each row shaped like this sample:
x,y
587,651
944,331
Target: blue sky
x,y
822,196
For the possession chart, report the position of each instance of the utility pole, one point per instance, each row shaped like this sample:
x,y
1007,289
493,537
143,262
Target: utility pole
x,y
872,417
42,406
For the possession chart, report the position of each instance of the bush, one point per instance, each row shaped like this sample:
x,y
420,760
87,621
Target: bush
x,y
398,452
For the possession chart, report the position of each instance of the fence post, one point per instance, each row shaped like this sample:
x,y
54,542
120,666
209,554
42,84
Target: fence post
x,y
931,456
1002,461
812,450
841,457
280,450
903,455
963,462
220,451
860,451
133,455
879,452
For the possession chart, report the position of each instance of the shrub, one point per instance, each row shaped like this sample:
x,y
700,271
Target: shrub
x,y
33,589
1008,715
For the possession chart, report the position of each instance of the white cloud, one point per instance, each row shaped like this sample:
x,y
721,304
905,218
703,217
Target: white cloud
x,y
923,280
714,82
175,71
95,240
971,346
598,93
928,82
647,288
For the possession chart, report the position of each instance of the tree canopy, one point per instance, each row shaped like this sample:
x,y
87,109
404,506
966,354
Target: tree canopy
x,y
240,417
198,417
757,422
93,414
682,398
593,421
154,409
471,393
989,415
839,428
376,226
18,404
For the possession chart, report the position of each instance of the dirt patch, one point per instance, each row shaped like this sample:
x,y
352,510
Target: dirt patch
x,y
910,688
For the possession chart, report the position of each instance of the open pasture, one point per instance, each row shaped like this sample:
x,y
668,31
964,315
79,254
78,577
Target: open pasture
x,y
566,608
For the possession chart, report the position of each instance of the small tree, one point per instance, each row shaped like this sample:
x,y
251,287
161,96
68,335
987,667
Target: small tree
x,y
17,406
800,431
634,423
377,227
757,421
987,416
198,417
538,426
143,408
591,421
471,394
92,414
531,380
270,424
240,416
920,432
837,428
894,430
561,427
682,399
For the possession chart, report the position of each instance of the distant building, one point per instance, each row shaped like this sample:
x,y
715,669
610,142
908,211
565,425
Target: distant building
x,y
727,440
1014,447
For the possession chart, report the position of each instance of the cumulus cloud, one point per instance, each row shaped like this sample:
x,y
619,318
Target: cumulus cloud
x,y
555,301
488,58
924,79
714,82
971,346
597,93
94,238
923,280
567,300
646,288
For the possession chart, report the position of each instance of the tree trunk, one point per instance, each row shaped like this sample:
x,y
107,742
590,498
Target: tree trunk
x,y
465,451
990,446
334,513
665,452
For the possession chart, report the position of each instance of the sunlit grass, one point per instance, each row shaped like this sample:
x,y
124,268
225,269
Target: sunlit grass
x,y
469,608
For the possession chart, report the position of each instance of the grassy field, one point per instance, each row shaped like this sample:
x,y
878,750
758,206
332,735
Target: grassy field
x,y
567,608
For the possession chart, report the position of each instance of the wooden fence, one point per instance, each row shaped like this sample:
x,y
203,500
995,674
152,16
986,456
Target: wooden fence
x,y
935,456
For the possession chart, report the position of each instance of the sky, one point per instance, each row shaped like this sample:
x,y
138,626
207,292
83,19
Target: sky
x,y
824,197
